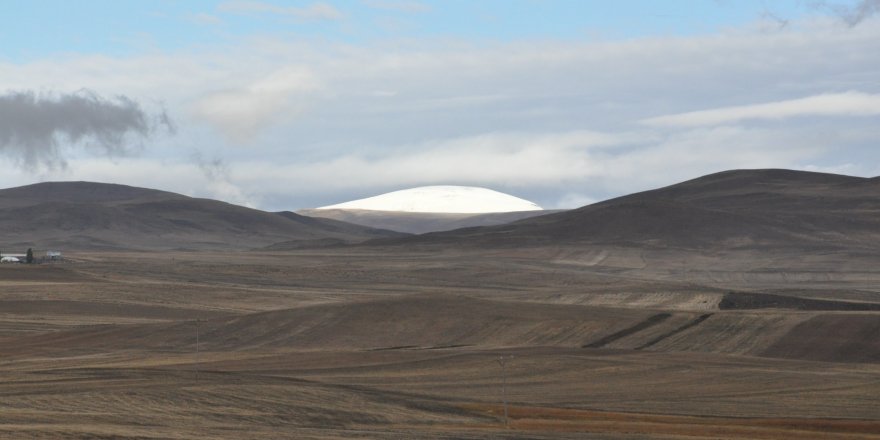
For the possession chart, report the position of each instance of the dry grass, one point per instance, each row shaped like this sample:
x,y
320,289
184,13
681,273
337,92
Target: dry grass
x,y
333,344
569,420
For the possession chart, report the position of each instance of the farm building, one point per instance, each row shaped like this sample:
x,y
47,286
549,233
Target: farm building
x,y
49,256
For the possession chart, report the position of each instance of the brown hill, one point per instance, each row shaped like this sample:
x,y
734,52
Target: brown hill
x,y
728,210
420,222
79,192
87,215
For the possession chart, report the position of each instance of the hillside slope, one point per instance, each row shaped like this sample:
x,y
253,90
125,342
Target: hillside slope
x,y
729,210
441,321
85,215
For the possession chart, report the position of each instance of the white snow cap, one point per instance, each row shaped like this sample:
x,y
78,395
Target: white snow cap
x,y
441,199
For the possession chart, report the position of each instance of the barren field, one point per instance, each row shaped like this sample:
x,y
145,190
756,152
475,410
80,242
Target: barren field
x,y
609,343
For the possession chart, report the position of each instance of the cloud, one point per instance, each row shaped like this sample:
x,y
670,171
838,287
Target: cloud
x,y
562,169
398,5
205,19
241,113
776,22
219,180
34,127
852,15
324,121
315,11
832,104
554,169
511,159
546,160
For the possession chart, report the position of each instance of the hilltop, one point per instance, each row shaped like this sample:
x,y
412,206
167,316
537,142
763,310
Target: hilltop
x,y
729,210
87,215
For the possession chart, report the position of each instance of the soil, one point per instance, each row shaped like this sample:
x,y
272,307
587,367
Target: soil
x,y
363,343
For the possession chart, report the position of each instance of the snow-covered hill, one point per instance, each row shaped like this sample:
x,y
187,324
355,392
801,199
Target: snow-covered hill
x,y
441,199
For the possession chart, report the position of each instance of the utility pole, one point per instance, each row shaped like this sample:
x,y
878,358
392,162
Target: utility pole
x,y
502,360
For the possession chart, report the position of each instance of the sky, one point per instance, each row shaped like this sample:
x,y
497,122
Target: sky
x,y
283,105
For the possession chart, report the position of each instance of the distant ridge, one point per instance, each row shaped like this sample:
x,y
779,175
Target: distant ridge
x,y
727,210
79,192
87,215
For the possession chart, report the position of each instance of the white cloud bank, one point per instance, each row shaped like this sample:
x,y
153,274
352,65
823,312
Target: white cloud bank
x,y
850,103
569,168
295,124
241,113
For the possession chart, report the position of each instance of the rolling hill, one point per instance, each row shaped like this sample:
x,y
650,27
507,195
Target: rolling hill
x,y
734,210
740,209
85,215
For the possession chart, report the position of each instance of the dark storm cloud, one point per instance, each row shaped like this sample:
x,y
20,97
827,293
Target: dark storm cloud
x,y
34,127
